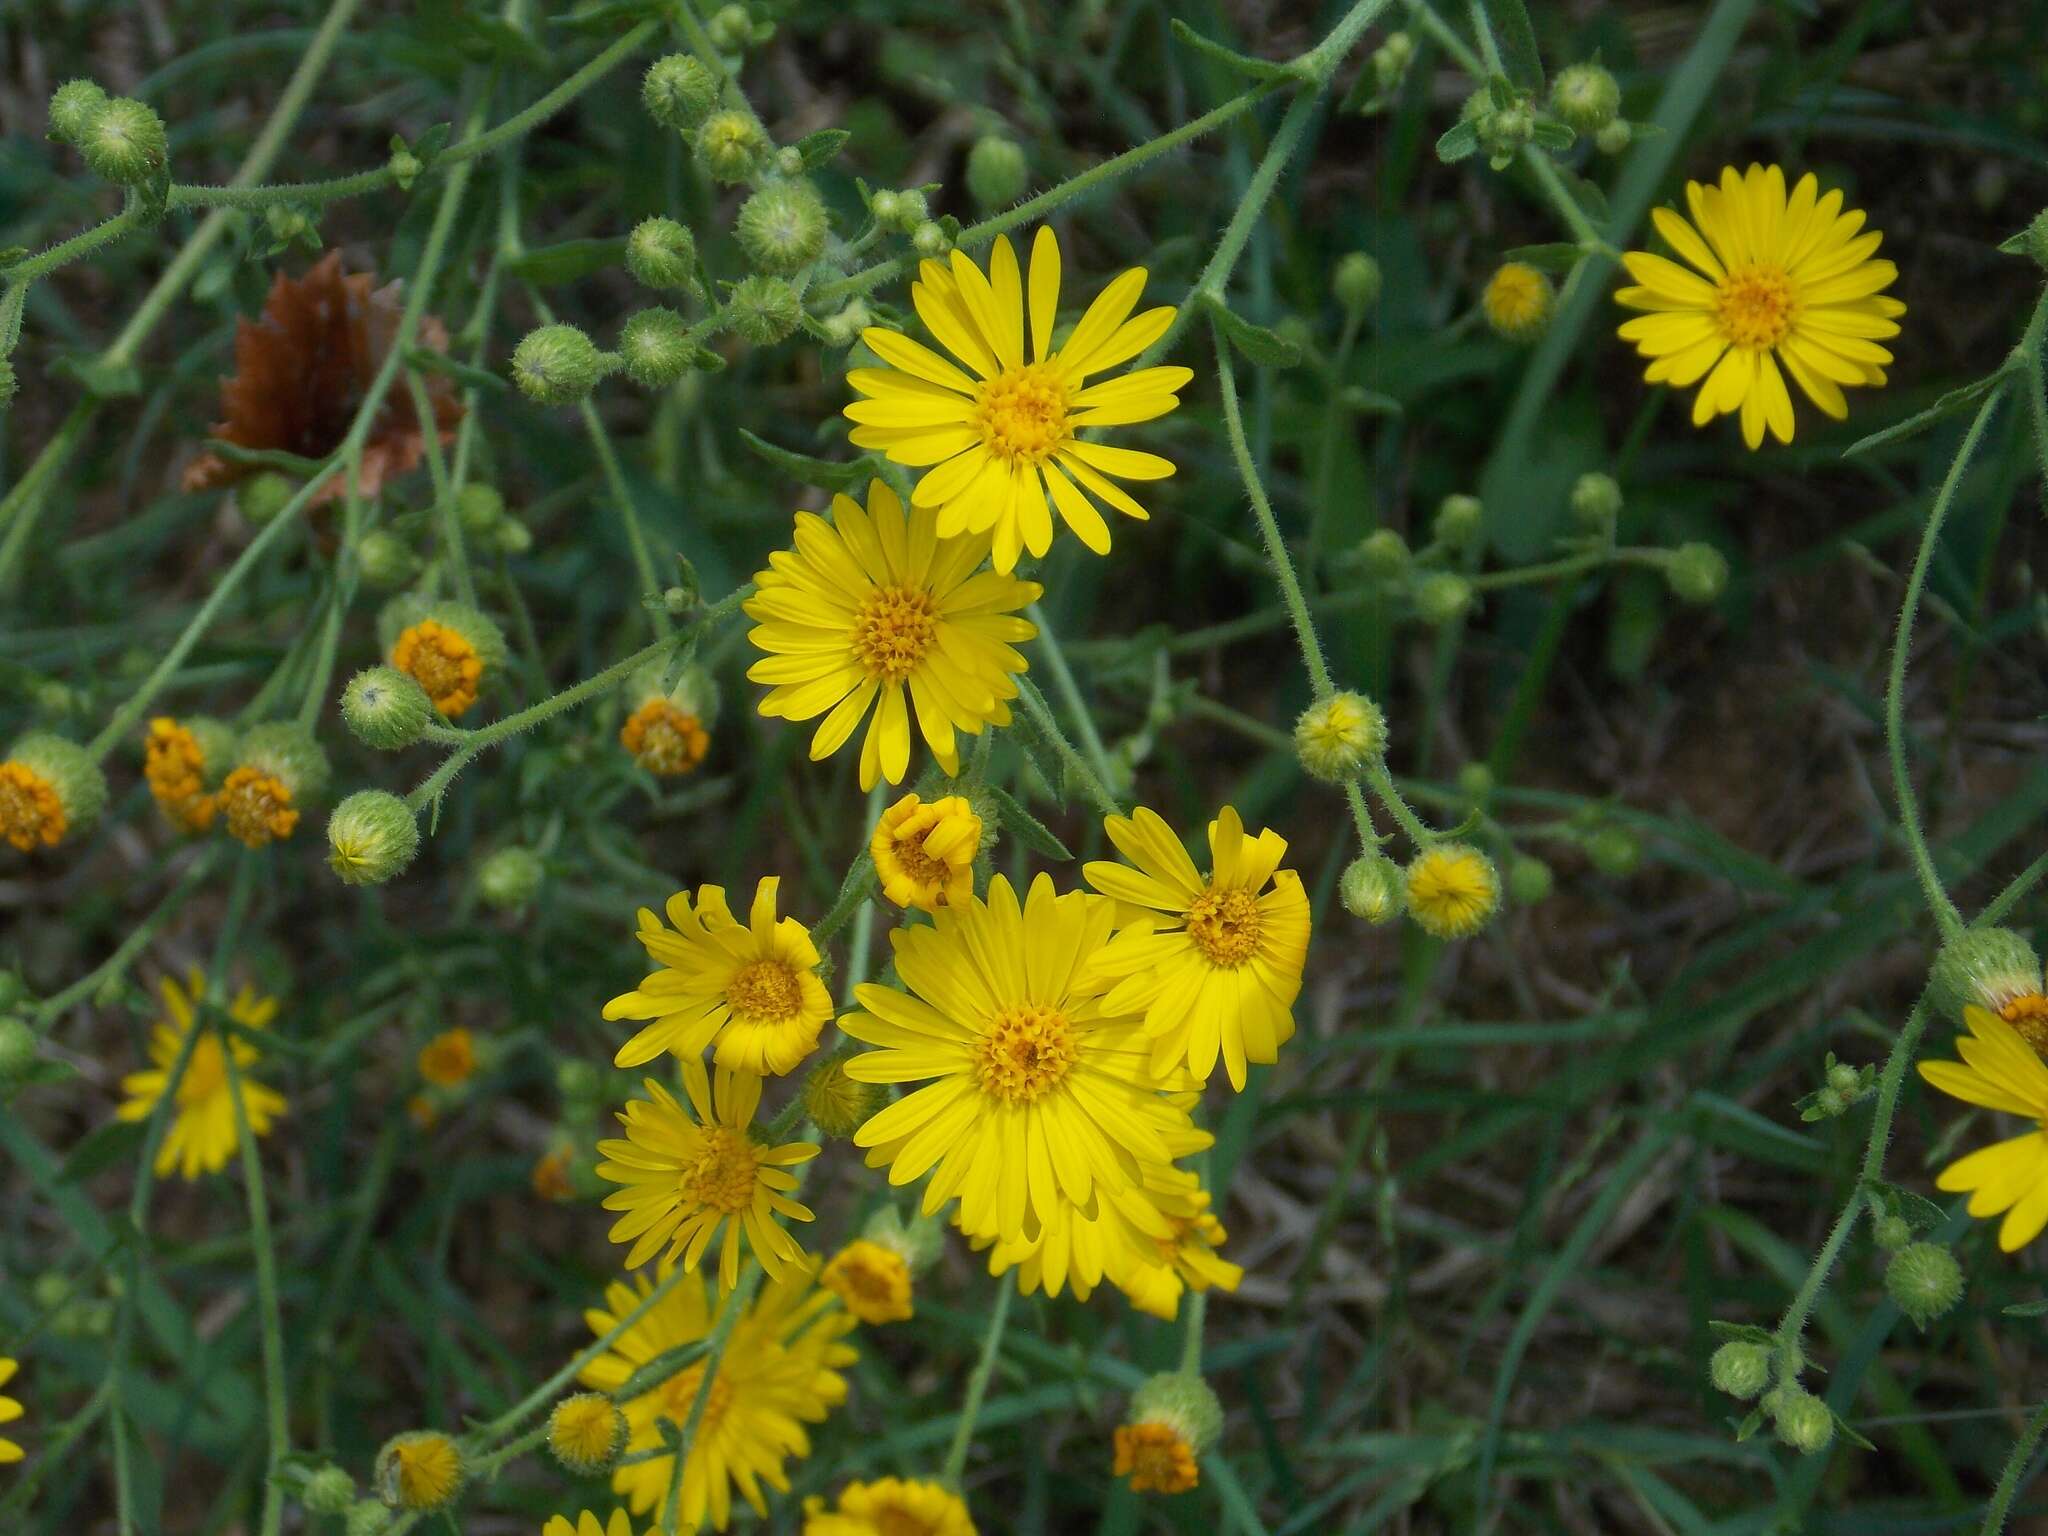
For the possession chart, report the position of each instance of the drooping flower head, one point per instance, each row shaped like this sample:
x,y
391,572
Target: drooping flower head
x,y
451,650
871,1280
889,1506
1003,434
201,1135
1039,1095
687,1174
1214,961
1772,282
753,990
184,762
780,1371
2000,1071
924,854
874,605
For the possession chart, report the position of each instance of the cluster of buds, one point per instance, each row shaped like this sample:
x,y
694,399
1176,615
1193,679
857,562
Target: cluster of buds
x,y
121,139
1387,69
1842,1087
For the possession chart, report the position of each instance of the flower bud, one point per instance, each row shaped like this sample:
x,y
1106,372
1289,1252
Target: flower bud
x,y
1596,500
577,1081
1390,61
1338,735
18,1049
1984,968
997,172
844,328
930,239
1801,1419
1844,1079
1373,888
1173,1418
420,1470
1614,851
835,1103
1923,1281
730,147
405,166
656,346
1442,597
1356,284
730,29
1475,781
1696,573
512,536
278,768
73,105
661,254
50,790
677,91
1741,1368
261,497
124,141
510,878
1829,1102
1585,97
901,211
763,310
1453,890
1517,302
921,1240
370,837
558,365
386,560
1383,553
1615,137
1529,880
586,1432
1891,1232
366,1518
782,227
329,1491
453,651
479,508
1458,520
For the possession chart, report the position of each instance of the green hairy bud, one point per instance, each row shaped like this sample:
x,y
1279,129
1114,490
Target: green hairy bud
x,y
997,172
678,91
558,365
124,141
661,254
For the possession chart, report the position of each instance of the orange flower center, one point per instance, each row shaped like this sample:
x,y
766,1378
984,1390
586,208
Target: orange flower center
x,y
1022,414
2028,1015
258,806
442,662
664,739
448,1059
30,812
1756,306
1024,1054
1155,1459
175,767
765,992
892,631
1225,926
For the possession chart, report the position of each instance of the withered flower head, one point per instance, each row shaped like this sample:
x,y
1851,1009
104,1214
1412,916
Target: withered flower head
x,y
302,369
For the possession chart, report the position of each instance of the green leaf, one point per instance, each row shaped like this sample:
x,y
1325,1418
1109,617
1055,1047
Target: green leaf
x,y
1459,142
1239,63
1259,346
2027,1308
428,360
1955,400
1750,1425
567,261
267,458
117,1141
1552,135
818,148
1517,38
826,474
108,381
1501,92
1557,259
1027,828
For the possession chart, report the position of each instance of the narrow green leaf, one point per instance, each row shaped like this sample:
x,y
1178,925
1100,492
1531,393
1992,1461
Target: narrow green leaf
x,y
1459,142
567,261
428,360
1517,38
1557,259
115,1142
108,381
1028,829
826,474
1955,400
1552,135
1239,63
1259,346
818,148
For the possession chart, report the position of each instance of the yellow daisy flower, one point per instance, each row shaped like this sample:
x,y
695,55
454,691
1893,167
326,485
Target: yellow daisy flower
x,y
754,990
685,1177
1004,439
1154,1270
873,604
1777,281
420,1470
449,1059
201,1135
2000,1071
890,1506
620,1524
924,854
10,1410
1213,962
1041,1095
780,1370
871,1280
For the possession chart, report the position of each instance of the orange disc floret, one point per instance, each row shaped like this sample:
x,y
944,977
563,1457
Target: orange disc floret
x,y
664,739
1155,1458
443,662
174,764
30,812
258,806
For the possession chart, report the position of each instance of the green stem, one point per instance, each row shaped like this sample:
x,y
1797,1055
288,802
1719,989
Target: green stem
x,y
862,940
1191,1332
2009,1480
279,1427
133,945
2009,898
977,1384
28,269
1389,794
629,513
1070,693
448,525
1092,784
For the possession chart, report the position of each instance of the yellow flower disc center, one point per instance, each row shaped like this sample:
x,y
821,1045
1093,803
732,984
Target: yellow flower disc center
x,y
206,1072
258,806
30,812
892,631
722,1173
679,1395
1756,306
442,662
1024,1054
765,992
919,865
1022,414
1225,926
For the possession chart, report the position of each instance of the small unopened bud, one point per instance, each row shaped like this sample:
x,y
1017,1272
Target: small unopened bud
x,y
1801,1419
782,227
1923,1281
73,105
1614,851
586,1432
730,29
1891,1232
1475,781
18,1049
1184,1403
657,348
1615,137
837,1104
661,254
1696,573
1829,1102
677,91
329,1491
1373,888
1383,553
929,239
366,1518
1442,597
997,172
1585,97
405,167
1356,284
1596,500
385,708
289,222
370,837
1458,520
1338,735
510,878
1529,881
844,328
124,141
261,497
1453,890
1517,302
901,211
730,147
479,508
763,310
558,365
512,536
386,560
1844,1078
1984,968
1741,1368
